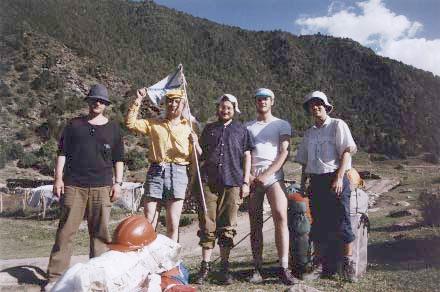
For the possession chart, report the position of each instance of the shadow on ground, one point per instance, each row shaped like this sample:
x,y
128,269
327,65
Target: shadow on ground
x,y
241,273
408,254
394,228
30,275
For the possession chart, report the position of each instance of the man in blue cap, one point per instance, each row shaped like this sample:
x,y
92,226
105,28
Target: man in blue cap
x,y
88,178
271,138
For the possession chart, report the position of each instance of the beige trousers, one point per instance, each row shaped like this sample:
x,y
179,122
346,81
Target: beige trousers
x,y
77,203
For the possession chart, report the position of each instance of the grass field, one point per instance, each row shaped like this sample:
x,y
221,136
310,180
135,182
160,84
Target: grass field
x,y
405,258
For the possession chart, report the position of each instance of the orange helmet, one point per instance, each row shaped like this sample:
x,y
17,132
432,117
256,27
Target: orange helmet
x,y
133,233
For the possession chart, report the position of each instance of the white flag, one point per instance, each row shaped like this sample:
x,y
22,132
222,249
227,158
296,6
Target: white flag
x,y
157,91
175,80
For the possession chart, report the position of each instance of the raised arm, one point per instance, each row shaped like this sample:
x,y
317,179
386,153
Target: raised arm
x,y
131,121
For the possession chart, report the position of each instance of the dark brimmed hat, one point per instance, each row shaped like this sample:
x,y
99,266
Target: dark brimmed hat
x,y
98,91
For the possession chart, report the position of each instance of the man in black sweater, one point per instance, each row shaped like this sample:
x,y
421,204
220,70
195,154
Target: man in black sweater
x,y
88,151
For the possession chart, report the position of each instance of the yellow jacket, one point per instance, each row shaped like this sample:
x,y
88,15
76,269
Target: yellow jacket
x,y
168,143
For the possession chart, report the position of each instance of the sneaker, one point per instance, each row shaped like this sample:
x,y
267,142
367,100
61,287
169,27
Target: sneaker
x,y
286,277
306,273
256,277
348,270
203,273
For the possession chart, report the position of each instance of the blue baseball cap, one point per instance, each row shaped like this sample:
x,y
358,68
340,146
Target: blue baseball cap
x,y
264,92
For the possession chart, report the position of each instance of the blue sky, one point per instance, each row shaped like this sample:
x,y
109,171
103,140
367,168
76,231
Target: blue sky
x,y
405,30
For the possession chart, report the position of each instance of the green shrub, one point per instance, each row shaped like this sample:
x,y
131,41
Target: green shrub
x,y
73,103
430,206
135,160
28,160
3,158
15,151
24,76
23,134
4,90
23,111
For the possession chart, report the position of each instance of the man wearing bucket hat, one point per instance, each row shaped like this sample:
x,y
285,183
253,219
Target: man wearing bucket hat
x,y
169,154
271,137
325,153
225,153
89,149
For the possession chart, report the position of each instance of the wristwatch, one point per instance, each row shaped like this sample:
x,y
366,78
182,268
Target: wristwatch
x,y
118,183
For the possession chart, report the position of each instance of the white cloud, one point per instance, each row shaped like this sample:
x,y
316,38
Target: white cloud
x,y
374,25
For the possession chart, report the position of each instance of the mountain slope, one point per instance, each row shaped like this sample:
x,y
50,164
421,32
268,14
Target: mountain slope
x,y
391,107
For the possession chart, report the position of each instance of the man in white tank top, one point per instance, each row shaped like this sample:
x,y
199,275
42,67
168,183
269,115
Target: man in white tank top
x,y
271,137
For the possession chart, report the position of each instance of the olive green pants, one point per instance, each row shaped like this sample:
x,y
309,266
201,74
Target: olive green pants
x,y
220,220
76,202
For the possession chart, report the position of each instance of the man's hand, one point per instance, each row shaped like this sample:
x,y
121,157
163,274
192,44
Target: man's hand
x,y
244,191
261,179
337,186
193,138
115,193
140,94
58,187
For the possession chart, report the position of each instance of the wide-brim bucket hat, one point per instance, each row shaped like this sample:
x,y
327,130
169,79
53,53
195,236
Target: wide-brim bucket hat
x,y
230,98
318,95
98,91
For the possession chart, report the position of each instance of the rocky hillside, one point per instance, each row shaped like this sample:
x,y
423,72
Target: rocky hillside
x,y
52,51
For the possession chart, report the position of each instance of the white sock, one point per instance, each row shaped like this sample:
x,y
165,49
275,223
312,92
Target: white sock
x,y
284,262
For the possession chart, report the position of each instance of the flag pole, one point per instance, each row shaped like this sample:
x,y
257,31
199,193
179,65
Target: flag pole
x,y
202,193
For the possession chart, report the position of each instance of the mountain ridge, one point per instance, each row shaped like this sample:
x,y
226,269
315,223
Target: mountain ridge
x,y
390,107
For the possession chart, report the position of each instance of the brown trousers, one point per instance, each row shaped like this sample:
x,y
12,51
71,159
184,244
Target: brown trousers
x,y
220,219
76,202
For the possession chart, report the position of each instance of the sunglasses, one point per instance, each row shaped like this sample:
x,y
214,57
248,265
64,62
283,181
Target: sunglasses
x,y
98,100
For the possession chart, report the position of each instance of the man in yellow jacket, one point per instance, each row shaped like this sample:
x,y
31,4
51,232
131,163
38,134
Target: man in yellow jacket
x,y
169,156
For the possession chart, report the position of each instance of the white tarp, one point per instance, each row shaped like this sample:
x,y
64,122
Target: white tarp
x,y
129,199
358,202
122,271
37,195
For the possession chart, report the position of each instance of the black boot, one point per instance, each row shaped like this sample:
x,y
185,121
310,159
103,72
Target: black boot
x,y
203,273
225,276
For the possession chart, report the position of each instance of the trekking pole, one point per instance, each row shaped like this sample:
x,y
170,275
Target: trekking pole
x,y
244,237
202,193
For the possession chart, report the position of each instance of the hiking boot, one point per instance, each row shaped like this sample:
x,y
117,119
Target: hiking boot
x,y
348,270
48,286
225,275
203,273
286,277
256,277
306,273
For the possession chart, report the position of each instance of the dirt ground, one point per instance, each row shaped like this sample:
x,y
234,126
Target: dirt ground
x,y
28,274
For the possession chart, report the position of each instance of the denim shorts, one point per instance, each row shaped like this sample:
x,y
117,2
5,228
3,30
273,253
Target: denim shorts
x,y
166,181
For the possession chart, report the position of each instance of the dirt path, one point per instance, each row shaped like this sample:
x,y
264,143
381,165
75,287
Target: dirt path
x,y
28,274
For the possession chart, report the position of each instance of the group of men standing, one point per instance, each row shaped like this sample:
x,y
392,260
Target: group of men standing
x,y
237,160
